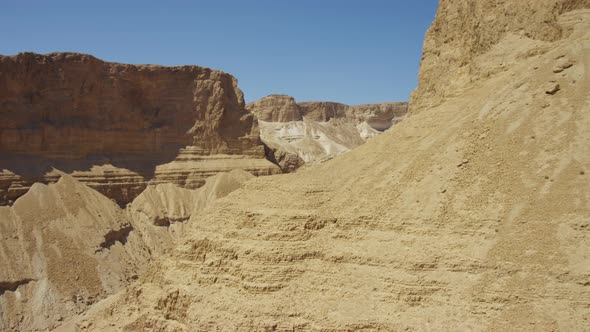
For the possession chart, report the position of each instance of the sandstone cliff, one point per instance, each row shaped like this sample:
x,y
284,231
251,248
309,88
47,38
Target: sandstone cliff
x,y
117,127
469,215
310,132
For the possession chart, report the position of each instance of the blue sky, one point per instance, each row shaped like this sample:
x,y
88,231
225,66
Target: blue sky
x,y
360,51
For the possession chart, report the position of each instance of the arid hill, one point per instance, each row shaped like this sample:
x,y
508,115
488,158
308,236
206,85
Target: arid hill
x,y
66,246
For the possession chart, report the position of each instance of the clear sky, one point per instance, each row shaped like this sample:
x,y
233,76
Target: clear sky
x,y
350,51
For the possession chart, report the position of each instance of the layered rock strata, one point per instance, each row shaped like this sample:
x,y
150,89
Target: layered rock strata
x,y
310,132
118,127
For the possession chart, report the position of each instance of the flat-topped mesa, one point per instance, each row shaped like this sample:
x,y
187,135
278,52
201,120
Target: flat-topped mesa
x,y
309,132
112,124
322,111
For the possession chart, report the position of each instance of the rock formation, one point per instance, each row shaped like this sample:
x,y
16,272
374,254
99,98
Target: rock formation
x,y
65,246
471,214
305,133
118,127
465,30
276,108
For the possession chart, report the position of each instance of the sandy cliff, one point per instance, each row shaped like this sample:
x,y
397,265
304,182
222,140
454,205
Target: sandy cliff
x,y
472,214
117,127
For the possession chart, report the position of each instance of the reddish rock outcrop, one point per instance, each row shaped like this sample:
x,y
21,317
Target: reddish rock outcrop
x,y
113,125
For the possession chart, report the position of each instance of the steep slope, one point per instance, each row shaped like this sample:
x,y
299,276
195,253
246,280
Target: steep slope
x,y
310,132
160,211
482,225
118,127
65,246
465,29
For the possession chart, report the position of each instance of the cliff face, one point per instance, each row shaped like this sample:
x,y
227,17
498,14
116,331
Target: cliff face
x,y
465,29
309,132
75,112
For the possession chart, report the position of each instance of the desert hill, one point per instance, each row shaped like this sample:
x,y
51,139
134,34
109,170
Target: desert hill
x,y
66,246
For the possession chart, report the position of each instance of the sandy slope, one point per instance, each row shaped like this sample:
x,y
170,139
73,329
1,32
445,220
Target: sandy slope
x,y
482,225
64,246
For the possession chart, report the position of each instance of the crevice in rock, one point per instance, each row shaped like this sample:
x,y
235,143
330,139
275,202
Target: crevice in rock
x,y
270,155
114,236
166,222
11,286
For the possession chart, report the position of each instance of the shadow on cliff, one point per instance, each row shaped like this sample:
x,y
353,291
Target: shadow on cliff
x,y
119,176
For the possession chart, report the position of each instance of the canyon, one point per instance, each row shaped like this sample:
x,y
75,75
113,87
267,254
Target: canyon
x,y
473,213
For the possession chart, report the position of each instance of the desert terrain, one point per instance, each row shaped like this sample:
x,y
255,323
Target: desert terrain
x,y
470,214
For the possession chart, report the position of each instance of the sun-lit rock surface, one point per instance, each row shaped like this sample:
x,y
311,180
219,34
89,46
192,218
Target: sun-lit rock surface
x,y
472,214
118,127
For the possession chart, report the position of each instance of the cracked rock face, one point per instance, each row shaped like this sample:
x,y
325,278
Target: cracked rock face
x,y
118,127
311,132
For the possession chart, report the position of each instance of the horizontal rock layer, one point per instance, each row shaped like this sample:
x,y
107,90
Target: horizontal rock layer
x,y
283,108
79,114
